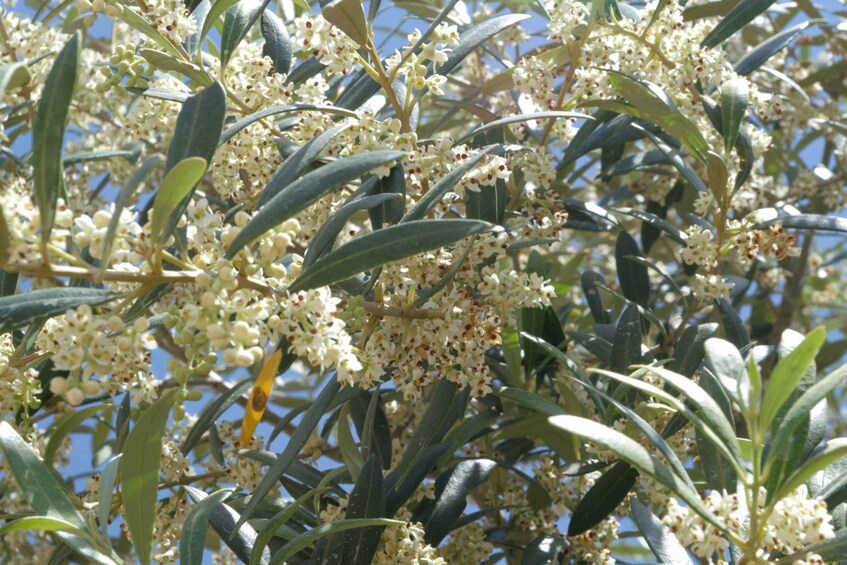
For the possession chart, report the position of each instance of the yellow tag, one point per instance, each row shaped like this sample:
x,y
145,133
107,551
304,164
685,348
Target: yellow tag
x,y
259,396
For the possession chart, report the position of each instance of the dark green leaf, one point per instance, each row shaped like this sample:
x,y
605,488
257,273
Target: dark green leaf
x,y
690,348
488,203
383,246
530,400
734,95
719,472
306,539
452,489
603,498
757,56
65,427
192,539
324,239
437,192
48,133
743,13
198,126
817,222
476,35
367,500
295,164
237,23
372,426
733,325
139,468
224,521
292,449
277,43
546,548
664,545
213,411
676,159
633,277
496,124
626,349
392,210
307,190
19,310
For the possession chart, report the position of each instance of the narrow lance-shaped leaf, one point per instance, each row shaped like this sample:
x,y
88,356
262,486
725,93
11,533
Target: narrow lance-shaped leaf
x,y
383,246
473,37
139,468
277,43
734,96
192,539
452,490
604,496
45,494
634,279
307,190
757,56
661,541
237,23
19,310
48,134
198,126
787,374
367,500
743,13
175,188
13,75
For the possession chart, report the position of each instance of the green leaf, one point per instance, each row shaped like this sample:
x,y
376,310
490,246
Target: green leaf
x,y
434,195
13,75
676,159
743,13
192,539
19,310
803,406
661,541
633,453
626,349
530,400
217,10
198,126
213,411
476,35
48,133
324,239
223,520
816,222
307,190
237,23
655,106
690,348
734,99
276,110
139,468
757,56
277,43
384,246
292,449
733,325
391,211
176,187
168,62
719,473
88,156
41,524
44,493
367,500
603,498
635,282
106,490
724,361
349,451
136,21
496,124
278,521
835,449
306,539
67,425
296,163
122,201
349,17
452,489
787,374
488,203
